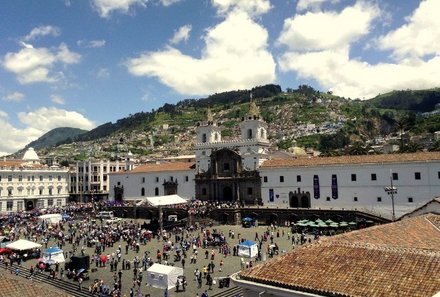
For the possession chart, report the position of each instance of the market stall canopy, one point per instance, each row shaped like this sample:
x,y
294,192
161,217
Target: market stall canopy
x,y
53,218
163,200
163,276
23,244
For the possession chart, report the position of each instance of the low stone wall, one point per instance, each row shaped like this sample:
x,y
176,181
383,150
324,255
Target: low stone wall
x,y
264,216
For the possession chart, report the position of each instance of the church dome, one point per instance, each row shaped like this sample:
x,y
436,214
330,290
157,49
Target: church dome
x,y
30,155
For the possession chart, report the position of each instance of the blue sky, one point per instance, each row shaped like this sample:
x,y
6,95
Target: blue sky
x,y
82,63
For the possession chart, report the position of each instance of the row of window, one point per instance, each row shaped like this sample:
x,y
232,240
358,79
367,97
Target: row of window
x,y
94,178
156,191
19,204
394,175
10,178
30,192
156,179
104,168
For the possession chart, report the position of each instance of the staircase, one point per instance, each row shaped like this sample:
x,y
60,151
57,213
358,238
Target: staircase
x,y
231,292
66,286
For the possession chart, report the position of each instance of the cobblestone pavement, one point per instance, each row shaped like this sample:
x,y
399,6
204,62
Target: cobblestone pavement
x,y
231,263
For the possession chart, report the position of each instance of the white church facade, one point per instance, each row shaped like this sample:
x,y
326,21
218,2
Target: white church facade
x,y
26,184
241,171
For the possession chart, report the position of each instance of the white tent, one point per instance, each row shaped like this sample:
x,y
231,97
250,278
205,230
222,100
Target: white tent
x,y
248,249
53,255
163,276
53,218
22,245
163,200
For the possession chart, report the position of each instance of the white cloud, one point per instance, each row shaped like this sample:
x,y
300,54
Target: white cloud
x,y
106,7
235,56
419,36
3,114
48,118
312,55
103,73
325,30
36,124
14,97
168,2
182,34
34,64
312,4
334,70
251,7
91,43
57,99
42,31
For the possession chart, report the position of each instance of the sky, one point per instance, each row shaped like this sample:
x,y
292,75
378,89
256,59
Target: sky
x,y
82,63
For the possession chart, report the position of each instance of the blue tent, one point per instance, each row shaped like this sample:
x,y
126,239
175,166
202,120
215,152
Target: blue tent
x,y
53,250
248,243
248,219
248,248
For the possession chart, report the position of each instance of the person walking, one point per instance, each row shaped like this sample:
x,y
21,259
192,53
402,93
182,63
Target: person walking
x,y
80,281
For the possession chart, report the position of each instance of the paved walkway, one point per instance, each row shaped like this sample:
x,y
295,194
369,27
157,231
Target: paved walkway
x,y
232,264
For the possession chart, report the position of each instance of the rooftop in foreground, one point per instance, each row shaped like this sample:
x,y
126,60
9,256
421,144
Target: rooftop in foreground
x,y
396,259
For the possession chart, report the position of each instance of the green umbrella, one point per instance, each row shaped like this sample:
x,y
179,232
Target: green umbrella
x,y
352,223
322,225
334,225
329,221
343,224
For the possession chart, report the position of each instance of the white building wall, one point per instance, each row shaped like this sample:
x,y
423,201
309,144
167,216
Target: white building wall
x,y
45,187
134,182
364,188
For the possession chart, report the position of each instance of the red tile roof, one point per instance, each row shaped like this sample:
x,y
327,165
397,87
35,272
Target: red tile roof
x,y
13,286
172,166
365,159
397,259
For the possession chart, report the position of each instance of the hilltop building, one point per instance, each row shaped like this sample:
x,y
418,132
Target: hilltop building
x,y
27,184
397,259
243,171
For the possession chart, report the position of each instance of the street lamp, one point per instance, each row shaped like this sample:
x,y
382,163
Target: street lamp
x,y
391,190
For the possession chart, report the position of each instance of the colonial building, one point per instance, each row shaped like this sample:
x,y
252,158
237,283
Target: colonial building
x,y
89,179
153,180
243,171
26,184
227,171
353,182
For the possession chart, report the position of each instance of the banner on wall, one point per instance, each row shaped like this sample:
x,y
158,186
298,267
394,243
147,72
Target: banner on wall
x,y
316,192
334,186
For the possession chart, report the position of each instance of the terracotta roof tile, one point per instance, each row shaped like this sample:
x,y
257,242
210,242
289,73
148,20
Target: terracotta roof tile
x,y
365,159
396,259
13,286
172,166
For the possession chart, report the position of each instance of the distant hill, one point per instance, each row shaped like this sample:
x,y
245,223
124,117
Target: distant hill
x,y
54,137
142,120
415,101
302,117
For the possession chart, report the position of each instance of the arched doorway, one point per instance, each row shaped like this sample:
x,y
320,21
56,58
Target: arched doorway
x,y
227,194
305,201
30,205
293,200
273,219
118,197
225,218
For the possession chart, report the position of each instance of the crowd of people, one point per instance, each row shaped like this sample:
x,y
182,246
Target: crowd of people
x,y
125,248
